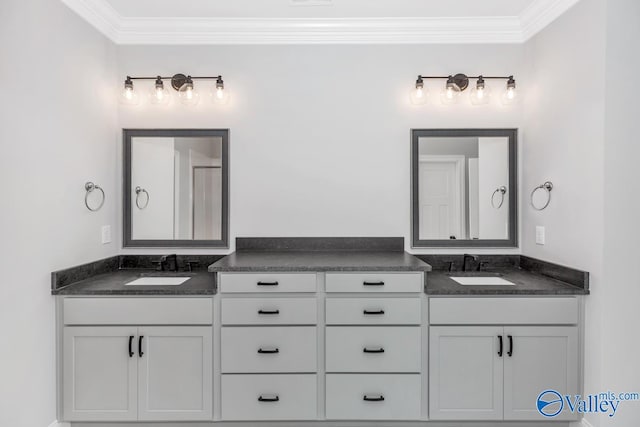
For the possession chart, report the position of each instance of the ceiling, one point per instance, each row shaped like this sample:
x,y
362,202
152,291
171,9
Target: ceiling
x,y
318,21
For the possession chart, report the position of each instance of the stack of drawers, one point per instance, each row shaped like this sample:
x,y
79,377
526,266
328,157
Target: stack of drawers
x,y
269,346
373,346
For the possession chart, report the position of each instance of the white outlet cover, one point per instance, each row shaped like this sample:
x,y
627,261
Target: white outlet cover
x,y
106,234
540,237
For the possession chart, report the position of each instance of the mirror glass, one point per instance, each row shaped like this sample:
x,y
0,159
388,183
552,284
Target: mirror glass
x,y
464,185
176,188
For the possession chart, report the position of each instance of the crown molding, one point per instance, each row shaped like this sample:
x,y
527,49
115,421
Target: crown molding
x,y
230,31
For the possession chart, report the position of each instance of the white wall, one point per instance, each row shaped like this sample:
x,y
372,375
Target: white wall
x,y
564,143
57,118
621,346
319,142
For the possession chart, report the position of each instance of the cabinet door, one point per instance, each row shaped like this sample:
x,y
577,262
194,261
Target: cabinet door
x,y
99,375
541,358
465,373
175,373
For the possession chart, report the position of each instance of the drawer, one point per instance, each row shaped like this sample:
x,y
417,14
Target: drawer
x,y
513,311
269,311
269,397
373,311
266,282
269,349
374,282
373,349
373,397
138,311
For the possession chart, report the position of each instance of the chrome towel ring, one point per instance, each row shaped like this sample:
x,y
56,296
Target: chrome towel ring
x,y
547,186
90,187
138,191
502,190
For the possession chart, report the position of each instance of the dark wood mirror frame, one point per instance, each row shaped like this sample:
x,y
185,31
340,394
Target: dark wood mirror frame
x,y
127,240
512,241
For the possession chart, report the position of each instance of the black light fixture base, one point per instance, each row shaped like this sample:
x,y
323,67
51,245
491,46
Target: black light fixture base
x,y
178,80
461,80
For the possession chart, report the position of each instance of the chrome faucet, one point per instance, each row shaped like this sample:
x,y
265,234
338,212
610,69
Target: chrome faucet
x,y
466,258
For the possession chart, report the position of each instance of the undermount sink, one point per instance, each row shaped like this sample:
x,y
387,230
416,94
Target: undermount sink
x,y
482,281
158,281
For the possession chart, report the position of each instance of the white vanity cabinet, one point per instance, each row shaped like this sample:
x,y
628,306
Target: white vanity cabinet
x,y
115,369
490,358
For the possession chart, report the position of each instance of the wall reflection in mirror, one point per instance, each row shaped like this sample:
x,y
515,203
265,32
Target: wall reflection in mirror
x,y
177,188
463,187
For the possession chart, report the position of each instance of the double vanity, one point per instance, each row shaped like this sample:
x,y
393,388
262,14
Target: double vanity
x,y
316,330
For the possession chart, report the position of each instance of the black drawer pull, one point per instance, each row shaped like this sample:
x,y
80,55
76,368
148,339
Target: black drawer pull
x,y
373,312
510,352
140,352
373,350
379,398
267,283
365,283
268,311
131,345
261,398
268,350
500,341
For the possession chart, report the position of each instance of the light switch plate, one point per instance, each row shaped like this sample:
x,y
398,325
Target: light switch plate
x,y
106,234
540,235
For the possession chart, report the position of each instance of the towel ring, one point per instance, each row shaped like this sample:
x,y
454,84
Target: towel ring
x,y
547,186
502,190
90,187
138,191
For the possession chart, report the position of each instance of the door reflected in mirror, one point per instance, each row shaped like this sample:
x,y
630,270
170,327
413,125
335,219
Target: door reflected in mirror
x,y
176,188
464,184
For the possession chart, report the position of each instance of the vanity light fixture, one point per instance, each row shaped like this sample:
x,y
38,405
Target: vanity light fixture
x,y
182,83
458,83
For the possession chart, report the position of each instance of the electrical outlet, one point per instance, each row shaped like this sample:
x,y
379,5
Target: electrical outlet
x,y
106,234
540,235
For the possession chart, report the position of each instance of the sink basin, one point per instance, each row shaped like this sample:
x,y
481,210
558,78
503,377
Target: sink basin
x,y
158,281
482,281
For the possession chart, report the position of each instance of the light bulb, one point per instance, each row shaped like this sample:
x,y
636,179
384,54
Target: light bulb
x,y
187,93
158,93
450,93
129,96
480,94
219,94
510,94
418,95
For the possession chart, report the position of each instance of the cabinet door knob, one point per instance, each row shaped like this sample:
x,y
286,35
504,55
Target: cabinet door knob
x,y
267,283
131,345
268,311
378,398
373,350
500,341
268,350
274,398
365,283
510,352
379,312
140,352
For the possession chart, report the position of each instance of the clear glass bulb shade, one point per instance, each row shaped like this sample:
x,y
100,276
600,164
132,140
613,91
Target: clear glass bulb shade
x,y
159,95
220,95
129,96
449,96
188,95
419,95
509,96
480,95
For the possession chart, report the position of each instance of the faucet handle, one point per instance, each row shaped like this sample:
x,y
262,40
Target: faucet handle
x,y
481,265
159,265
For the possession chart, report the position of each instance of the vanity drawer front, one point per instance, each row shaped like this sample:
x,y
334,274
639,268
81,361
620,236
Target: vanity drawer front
x,y
269,349
374,282
138,311
373,349
266,282
269,311
373,311
269,397
507,310
373,397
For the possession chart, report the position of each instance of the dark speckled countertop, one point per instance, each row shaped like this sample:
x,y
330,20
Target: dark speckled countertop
x,y
248,261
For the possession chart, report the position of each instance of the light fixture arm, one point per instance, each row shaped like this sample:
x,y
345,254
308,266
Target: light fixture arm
x,y
177,80
461,81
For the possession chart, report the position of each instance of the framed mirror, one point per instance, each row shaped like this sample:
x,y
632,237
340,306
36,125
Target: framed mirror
x,y
176,188
464,188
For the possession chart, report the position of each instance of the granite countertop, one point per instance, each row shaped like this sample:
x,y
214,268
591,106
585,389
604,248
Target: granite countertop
x,y
283,261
